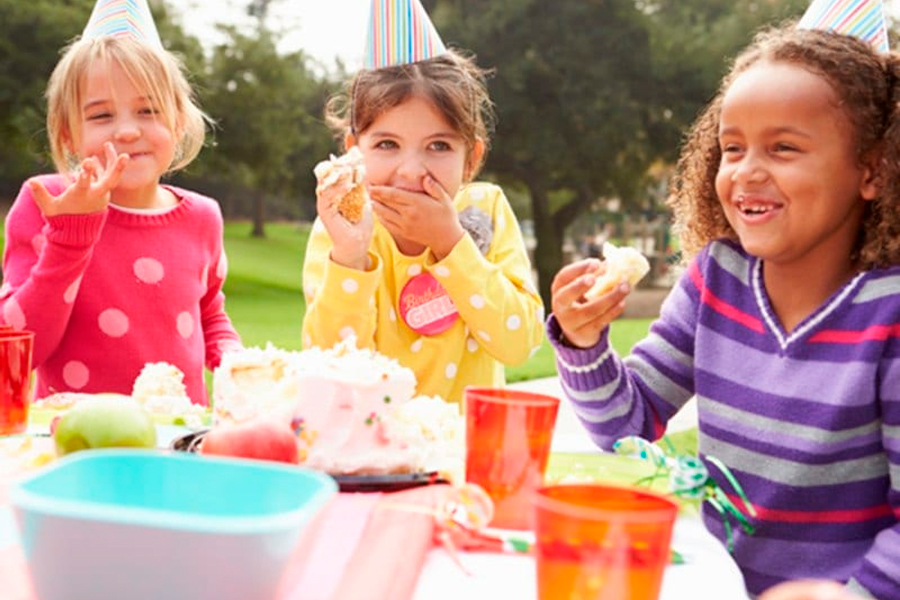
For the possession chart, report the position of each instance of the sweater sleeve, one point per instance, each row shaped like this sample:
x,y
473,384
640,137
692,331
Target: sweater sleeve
x,y
339,300
879,571
43,263
493,292
637,395
219,334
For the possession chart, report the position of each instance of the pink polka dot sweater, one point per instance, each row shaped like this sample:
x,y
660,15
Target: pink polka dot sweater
x,y
487,277
108,292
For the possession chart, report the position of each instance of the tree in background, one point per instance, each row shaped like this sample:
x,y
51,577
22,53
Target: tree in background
x,y
268,133
267,108
31,36
590,93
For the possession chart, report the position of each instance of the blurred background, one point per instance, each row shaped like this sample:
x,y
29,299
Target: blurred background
x,y
593,98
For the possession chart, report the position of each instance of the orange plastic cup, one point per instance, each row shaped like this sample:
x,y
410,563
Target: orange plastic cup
x,y
16,349
508,435
601,542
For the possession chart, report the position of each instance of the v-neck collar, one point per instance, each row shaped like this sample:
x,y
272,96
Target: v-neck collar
x,y
811,321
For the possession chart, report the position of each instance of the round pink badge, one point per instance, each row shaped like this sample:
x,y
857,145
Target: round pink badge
x,y
426,307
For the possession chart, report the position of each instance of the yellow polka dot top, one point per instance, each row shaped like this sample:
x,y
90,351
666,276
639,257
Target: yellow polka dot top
x,y
487,276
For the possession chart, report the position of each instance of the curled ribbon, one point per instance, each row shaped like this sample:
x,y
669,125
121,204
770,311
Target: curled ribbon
x,y
461,521
689,478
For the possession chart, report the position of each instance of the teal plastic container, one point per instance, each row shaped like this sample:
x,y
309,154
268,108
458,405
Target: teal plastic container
x,y
152,525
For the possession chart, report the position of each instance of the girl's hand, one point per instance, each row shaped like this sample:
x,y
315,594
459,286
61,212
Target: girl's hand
x,y
426,218
350,240
90,191
582,321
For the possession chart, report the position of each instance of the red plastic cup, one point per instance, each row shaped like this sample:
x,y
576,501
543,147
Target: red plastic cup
x,y
508,434
16,349
601,542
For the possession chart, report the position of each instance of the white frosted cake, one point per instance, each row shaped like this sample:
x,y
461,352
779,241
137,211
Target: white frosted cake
x,y
159,389
353,409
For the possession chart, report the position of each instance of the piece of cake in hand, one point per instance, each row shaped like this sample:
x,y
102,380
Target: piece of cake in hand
x,y
623,265
348,167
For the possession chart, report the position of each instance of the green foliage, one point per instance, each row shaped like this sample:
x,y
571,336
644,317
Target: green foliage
x,y
692,45
31,34
269,132
590,93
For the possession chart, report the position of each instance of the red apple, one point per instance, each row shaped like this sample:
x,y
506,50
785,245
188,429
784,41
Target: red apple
x,y
260,438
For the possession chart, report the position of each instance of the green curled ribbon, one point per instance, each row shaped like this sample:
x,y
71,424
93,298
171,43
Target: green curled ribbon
x,y
689,478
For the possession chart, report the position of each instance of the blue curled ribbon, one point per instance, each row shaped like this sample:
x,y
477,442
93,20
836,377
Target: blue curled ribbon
x,y
689,478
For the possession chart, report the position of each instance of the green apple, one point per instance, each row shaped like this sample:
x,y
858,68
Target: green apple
x,y
104,422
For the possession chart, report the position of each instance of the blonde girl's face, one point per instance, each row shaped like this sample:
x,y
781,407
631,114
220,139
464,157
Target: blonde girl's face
x,y
409,141
789,181
114,110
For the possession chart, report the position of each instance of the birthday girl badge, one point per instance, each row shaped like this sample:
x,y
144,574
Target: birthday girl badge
x,y
425,306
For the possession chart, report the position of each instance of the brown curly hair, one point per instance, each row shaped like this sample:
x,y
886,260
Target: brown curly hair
x,y
452,81
868,86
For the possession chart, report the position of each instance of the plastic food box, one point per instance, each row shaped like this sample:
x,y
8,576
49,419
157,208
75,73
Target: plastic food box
x,y
151,525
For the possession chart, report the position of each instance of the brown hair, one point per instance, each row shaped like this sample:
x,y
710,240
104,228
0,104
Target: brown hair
x,y
866,84
452,82
155,71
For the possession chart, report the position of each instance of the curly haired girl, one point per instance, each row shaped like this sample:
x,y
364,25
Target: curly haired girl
x,y
786,324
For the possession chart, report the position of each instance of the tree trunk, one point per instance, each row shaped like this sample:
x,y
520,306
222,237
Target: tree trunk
x,y
548,249
259,215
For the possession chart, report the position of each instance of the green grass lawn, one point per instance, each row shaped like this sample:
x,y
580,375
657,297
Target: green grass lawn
x,y
265,298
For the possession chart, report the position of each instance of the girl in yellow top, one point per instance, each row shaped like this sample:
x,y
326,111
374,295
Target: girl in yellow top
x,y
438,277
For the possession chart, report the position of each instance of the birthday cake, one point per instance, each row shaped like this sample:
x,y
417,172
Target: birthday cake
x,y
354,410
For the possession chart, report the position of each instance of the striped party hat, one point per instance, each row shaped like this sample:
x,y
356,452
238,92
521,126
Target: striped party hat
x,y
400,33
123,17
863,19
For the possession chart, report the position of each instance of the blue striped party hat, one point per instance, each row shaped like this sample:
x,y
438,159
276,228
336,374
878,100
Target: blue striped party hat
x,y
400,33
123,17
863,19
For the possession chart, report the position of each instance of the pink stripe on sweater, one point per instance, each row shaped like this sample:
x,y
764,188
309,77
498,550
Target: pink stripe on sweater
x,y
849,336
720,306
821,516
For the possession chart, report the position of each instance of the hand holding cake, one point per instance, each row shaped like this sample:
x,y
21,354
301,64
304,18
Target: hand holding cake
x,y
622,265
586,295
341,172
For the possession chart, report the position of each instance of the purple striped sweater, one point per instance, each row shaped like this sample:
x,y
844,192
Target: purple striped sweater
x,y
808,421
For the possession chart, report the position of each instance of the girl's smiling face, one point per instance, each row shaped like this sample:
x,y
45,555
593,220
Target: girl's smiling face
x,y
409,141
114,110
789,180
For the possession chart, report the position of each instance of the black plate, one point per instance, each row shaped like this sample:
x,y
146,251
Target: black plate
x,y
190,442
386,483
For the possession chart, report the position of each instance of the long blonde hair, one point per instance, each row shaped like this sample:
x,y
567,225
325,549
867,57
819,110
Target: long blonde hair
x,y
158,72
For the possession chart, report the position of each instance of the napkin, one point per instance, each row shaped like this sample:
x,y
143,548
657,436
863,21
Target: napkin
x,y
368,546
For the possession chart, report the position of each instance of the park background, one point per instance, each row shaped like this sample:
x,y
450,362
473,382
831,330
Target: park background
x,y
593,99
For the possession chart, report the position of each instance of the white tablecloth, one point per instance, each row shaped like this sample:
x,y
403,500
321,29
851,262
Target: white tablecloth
x,y
709,573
